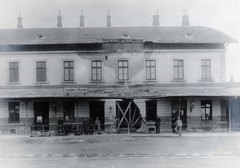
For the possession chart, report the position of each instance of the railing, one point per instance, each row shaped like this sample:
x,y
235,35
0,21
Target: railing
x,y
76,128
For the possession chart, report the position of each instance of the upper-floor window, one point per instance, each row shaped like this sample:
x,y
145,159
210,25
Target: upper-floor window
x,y
13,71
68,68
150,69
178,72
123,70
206,109
206,69
41,71
97,70
13,112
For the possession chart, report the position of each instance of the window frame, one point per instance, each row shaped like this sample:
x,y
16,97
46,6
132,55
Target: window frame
x,y
63,72
123,68
178,71
97,68
36,73
151,69
15,111
204,106
207,70
9,72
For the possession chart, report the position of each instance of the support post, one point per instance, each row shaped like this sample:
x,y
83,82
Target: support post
x,y
26,103
229,117
77,114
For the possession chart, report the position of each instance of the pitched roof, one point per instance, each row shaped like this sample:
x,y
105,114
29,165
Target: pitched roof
x,y
101,34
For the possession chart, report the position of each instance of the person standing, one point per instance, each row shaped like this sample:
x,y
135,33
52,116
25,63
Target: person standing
x,y
91,126
178,127
98,125
85,127
157,124
60,125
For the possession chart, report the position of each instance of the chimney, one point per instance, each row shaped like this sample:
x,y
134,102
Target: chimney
x,y
156,19
59,19
185,18
81,20
108,20
19,25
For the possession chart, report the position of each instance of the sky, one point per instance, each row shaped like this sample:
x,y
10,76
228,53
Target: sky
x,y
223,15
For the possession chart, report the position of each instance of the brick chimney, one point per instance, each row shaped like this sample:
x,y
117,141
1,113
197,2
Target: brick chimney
x,y
156,19
19,25
81,20
185,18
108,20
59,20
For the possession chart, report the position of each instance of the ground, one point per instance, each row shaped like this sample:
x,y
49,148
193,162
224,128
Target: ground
x,y
121,150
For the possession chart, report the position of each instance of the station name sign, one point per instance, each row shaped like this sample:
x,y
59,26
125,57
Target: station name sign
x,y
75,90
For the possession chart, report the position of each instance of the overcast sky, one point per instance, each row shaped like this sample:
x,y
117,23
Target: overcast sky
x,y
223,15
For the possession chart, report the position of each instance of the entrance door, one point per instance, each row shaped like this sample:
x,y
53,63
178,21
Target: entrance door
x,y
41,116
96,109
183,112
68,112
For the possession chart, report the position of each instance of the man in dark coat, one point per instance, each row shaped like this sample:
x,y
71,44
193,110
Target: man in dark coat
x,y
60,125
157,124
85,127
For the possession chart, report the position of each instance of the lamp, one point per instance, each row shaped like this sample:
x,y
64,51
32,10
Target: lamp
x,y
54,104
192,103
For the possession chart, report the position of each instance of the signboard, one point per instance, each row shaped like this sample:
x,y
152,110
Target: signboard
x,y
75,90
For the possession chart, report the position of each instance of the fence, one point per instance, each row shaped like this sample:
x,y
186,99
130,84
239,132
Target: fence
x,y
148,127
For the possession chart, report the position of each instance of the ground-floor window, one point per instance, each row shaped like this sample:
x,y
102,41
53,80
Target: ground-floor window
x,y
68,110
14,109
151,110
206,110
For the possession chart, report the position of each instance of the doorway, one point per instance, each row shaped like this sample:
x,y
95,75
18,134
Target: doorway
x,y
41,116
182,106
96,109
128,115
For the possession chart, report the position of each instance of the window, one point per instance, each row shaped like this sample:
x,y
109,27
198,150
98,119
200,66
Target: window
x,y
41,71
206,110
122,70
178,70
151,110
97,70
68,71
206,69
150,69
13,112
13,72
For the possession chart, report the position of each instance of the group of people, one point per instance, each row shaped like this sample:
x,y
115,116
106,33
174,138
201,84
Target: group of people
x,y
91,126
86,128
177,125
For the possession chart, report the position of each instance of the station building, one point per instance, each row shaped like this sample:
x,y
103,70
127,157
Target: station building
x,y
123,74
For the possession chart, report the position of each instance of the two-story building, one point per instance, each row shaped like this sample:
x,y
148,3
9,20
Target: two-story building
x,y
125,73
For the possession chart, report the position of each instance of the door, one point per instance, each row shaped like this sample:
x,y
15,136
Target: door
x,y
96,109
41,116
182,106
68,112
